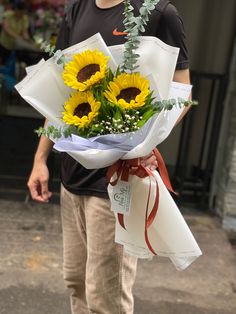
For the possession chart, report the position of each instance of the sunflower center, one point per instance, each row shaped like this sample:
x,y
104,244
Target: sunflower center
x,y
129,94
82,110
85,73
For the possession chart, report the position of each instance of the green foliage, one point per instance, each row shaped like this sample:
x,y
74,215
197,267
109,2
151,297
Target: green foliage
x,y
56,133
58,56
50,131
133,27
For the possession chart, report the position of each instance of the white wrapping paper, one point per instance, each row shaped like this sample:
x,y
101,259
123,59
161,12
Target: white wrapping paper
x,y
169,234
157,58
43,87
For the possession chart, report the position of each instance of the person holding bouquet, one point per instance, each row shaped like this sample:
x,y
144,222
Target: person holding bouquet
x,y
99,272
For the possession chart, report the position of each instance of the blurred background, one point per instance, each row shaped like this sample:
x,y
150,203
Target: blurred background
x,y
28,19
200,155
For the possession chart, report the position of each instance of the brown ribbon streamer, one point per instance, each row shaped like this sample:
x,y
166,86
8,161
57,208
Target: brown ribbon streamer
x,y
123,168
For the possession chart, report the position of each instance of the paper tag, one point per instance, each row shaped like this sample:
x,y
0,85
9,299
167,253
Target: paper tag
x,y
120,197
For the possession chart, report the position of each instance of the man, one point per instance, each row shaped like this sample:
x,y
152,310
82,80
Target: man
x,y
100,274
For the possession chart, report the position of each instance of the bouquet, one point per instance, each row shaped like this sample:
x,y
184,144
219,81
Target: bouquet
x,y
108,106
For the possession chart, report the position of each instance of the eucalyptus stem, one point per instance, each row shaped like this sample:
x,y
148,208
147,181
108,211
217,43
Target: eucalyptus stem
x,y
51,50
133,27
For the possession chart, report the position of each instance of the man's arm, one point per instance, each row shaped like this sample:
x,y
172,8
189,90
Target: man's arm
x,y
182,76
39,177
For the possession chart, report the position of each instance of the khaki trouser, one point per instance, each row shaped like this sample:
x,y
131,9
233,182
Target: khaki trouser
x,y
100,274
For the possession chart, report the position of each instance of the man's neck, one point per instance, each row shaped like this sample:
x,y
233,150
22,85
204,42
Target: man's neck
x,y
104,4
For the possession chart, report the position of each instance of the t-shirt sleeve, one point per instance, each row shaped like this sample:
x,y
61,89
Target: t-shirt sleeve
x,y
174,34
63,38
63,35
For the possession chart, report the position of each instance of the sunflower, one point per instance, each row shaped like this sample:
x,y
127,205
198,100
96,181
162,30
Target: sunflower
x,y
128,90
81,109
85,70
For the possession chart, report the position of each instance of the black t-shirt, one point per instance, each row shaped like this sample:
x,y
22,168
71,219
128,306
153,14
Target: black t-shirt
x,y
84,19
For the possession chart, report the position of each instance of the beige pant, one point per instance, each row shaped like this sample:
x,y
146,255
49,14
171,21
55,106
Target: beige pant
x,y
97,270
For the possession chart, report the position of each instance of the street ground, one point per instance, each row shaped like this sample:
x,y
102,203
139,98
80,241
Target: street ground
x,y
31,267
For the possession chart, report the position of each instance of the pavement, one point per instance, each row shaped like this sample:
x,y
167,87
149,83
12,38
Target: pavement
x,y
31,267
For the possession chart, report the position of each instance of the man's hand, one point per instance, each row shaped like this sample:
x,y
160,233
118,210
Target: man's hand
x,y
38,182
149,161
39,177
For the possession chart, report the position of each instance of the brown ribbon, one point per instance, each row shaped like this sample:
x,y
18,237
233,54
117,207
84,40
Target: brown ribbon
x,y
123,168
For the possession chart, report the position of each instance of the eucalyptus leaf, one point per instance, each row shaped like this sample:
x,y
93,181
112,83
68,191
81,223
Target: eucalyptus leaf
x,y
134,26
